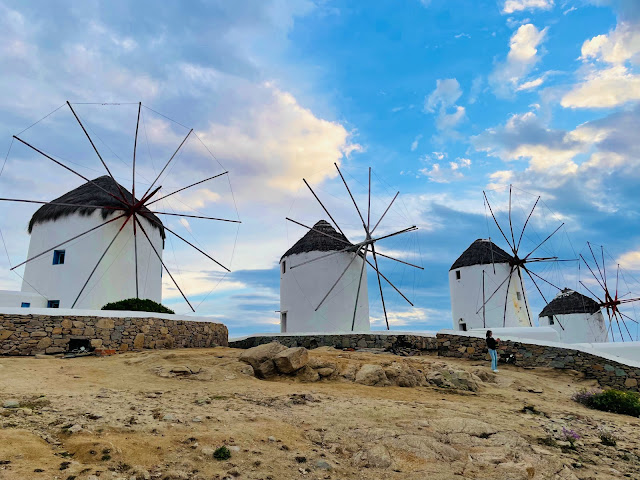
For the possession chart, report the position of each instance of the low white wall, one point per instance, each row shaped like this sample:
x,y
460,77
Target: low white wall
x,y
517,333
61,312
622,354
306,334
13,299
629,350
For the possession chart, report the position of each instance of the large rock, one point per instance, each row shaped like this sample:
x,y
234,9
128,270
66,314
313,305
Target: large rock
x,y
450,378
376,456
257,355
372,375
291,359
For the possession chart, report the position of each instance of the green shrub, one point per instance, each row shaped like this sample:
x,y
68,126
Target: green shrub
x,y
138,305
615,401
222,453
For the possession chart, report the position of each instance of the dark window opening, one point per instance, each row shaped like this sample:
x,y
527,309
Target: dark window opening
x,y
283,322
53,304
25,305
457,274
58,257
284,266
79,345
551,322
462,326
519,295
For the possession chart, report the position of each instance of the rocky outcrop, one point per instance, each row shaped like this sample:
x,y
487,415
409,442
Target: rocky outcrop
x,y
372,375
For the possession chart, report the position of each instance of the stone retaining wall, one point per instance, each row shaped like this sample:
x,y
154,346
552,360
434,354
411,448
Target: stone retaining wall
x,y
396,343
32,334
609,373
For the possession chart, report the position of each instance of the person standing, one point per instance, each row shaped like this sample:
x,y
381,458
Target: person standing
x,y
491,346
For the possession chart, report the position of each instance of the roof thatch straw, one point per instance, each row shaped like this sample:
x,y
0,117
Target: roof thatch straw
x,y
316,242
88,194
569,301
481,252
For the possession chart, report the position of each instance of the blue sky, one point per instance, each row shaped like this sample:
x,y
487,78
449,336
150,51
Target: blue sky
x,y
442,98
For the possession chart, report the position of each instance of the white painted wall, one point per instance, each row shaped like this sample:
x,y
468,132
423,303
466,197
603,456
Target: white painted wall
x,y
115,277
626,350
578,327
302,289
103,313
466,298
12,299
517,333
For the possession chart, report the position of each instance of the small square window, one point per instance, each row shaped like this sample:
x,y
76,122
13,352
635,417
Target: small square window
x,y
284,266
53,304
551,322
58,257
25,305
457,274
519,295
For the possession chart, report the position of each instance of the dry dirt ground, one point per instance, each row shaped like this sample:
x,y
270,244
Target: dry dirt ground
x,y
127,416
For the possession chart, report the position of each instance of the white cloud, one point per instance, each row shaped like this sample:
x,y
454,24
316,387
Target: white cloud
x,y
606,88
439,173
445,95
443,99
619,46
609,78
630,260
512,6
520,61
414,144
531,84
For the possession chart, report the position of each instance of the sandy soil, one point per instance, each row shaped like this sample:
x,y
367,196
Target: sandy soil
x,y
127,416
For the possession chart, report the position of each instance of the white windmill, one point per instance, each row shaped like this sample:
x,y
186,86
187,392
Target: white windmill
x,y
323,276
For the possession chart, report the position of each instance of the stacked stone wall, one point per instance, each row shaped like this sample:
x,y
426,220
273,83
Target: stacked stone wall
x,y
33,334
408,344
607,372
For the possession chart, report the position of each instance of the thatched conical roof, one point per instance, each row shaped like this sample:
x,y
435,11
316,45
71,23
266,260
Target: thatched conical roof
x,y
317,242
87,195
481,252
569,301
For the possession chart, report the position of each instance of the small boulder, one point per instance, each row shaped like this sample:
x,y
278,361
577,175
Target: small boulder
x,y
11,403
266,369
323,465
291,359
307,374
372,375
181,370
325,371
257,355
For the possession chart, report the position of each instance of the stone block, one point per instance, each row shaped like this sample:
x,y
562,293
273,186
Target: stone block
x,y
291,359
77,331
631,382
44,343
78,324
54,350
106,323
57,331
66,323
96,342
124,347
89,332
4,334
138,342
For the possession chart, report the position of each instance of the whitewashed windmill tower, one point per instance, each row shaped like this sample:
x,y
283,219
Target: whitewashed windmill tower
x,y
307,272
101,242
323,277
576,317
61,272
484,293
